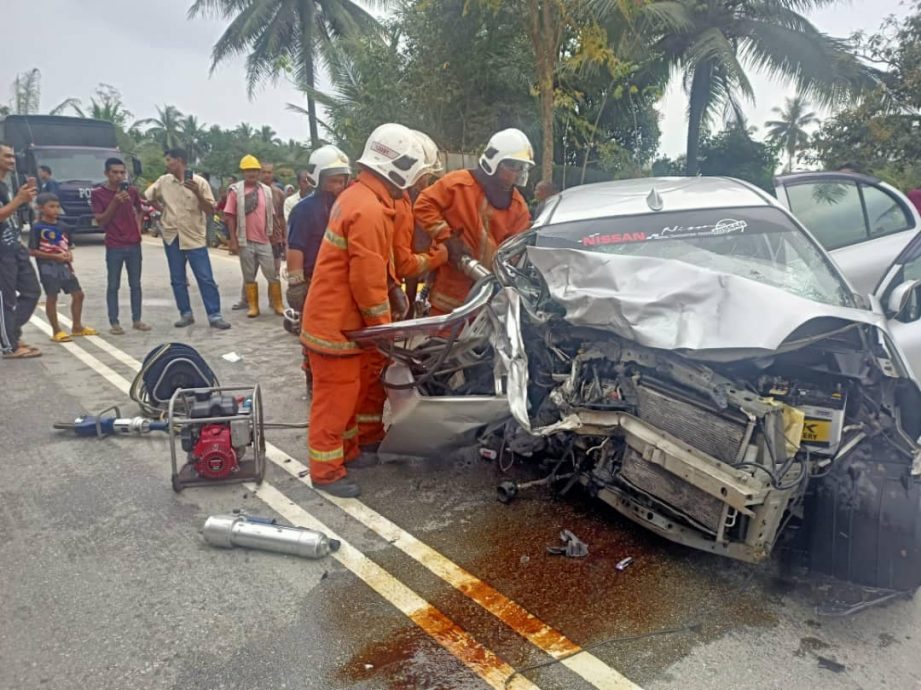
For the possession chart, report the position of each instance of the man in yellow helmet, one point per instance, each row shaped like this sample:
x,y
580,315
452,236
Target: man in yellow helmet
x,y
250,216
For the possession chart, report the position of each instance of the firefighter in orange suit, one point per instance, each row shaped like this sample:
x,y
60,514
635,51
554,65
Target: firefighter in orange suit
x,y
411,263
349,290
479,207
406,264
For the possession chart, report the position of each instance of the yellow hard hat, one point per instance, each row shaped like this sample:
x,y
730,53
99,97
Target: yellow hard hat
x,y
250,162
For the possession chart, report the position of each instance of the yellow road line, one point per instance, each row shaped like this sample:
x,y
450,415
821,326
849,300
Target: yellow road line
x,y
480,660
540,634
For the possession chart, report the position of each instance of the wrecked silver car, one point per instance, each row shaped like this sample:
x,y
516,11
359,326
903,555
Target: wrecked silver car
x,y
686,351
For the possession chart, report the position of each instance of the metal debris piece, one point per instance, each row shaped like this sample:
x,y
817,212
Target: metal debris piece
x,y
831,664
624,563
572,547
303,473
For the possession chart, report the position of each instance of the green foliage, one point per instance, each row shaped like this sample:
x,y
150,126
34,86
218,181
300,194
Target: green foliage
x,y
460,70
714,44
789,132
26,93
281,36
733,153
882,135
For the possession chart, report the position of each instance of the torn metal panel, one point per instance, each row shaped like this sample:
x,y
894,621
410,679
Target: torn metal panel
x,y
422,425
673,305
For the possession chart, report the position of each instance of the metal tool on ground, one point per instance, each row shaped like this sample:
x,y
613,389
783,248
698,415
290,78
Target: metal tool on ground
x,y
572,547
222,432
100,425
266,534
624,563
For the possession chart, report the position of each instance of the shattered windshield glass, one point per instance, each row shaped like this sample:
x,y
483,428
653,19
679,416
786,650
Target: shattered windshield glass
x,y
760,244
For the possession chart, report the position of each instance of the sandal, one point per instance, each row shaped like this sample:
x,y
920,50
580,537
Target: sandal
x,y
86,330
61,337
23,352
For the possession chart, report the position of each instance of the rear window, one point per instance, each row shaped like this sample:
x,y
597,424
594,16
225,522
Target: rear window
x,y
760,244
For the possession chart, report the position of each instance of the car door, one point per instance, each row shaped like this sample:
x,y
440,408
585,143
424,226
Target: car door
x,y
863,222
899,292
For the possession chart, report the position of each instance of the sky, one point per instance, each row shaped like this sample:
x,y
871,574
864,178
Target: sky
x,y
154,55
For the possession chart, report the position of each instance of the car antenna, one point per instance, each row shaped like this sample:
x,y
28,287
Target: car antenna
x,y
654,200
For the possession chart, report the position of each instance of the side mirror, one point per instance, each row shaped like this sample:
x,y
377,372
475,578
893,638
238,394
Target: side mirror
x,y
901,298
136,167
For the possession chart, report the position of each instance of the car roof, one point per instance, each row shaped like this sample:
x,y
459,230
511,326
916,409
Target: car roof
x,y
650,195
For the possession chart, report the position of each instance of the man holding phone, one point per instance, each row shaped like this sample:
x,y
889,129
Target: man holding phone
x,y
19,289
116,207
186,199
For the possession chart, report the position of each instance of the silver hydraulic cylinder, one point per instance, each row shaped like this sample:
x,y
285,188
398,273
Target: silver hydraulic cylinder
x,y
228,531
472,268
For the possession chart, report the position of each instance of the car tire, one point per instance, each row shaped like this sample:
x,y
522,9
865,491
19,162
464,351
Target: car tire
x,y
863,520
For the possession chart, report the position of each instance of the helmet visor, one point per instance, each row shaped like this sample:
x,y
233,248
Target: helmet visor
x,y
518,168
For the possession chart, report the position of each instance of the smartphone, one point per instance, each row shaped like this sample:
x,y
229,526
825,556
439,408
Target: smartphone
x,y
187,176
123,185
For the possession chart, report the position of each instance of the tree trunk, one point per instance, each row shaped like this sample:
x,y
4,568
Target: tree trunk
x,y
545,34
546,125
311,78
312,120
697,104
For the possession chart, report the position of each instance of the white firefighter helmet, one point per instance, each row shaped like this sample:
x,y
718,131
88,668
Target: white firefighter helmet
x,y
508,145
432,164
394,153
326,160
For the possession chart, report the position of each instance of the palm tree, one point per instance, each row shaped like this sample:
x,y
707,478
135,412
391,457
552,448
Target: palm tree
x,y
268,135
194,134
244,131
790,130
166,127
106,105
27,92
72,103
714,43
276,33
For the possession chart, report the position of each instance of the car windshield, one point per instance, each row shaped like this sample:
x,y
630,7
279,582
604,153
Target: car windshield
x,y
760,244
76,164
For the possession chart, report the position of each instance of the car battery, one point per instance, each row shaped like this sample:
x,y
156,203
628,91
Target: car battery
x,y
824,411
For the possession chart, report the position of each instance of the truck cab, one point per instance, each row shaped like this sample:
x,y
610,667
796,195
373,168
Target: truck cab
x,y
74,148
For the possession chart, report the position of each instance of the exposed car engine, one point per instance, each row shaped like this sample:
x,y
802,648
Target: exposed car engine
x,y
720,450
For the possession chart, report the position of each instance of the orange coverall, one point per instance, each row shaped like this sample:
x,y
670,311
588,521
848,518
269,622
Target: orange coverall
x,y
348,291
458,202
407,264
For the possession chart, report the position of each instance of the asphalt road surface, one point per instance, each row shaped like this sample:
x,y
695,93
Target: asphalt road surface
x,y
105,581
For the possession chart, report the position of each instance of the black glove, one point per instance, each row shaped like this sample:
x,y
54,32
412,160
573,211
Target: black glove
x,y
456,248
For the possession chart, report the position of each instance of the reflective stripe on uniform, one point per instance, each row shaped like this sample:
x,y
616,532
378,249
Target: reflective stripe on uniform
x,y
326,455
350,433
368,418
443,302
436,229
336,240
339,345
377,309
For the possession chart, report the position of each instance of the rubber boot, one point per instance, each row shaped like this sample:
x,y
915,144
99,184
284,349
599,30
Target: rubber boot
x,y
252,299
275,298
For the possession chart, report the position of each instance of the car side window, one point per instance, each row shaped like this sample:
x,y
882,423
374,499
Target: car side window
x,y
831,211
885,214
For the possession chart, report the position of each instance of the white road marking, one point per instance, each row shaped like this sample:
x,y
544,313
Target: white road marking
x,y
480,660
549,640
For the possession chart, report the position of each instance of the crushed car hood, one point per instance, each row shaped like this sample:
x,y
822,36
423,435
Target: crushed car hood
x,y
673,305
